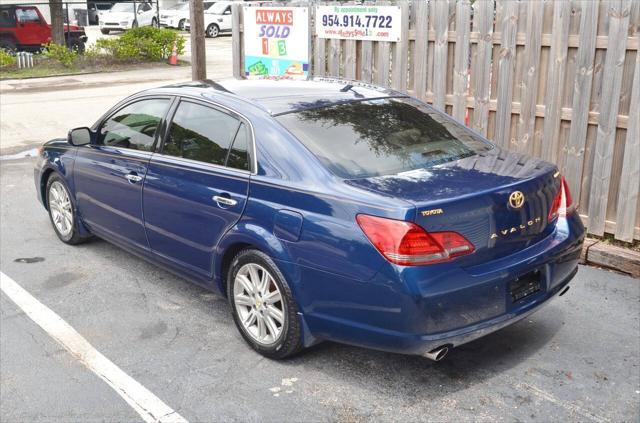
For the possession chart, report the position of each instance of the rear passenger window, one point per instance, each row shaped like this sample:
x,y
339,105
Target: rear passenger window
x,y
205,134
238,155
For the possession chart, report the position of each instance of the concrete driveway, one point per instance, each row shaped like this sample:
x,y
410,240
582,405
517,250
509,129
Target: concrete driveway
x,y
33,111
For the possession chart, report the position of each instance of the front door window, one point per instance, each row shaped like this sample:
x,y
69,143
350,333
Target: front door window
x,y
135,125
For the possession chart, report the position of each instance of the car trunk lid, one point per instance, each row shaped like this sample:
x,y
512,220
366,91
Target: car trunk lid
x,y
498,200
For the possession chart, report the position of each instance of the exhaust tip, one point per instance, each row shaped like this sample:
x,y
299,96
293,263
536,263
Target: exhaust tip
x,y
564,291
438,353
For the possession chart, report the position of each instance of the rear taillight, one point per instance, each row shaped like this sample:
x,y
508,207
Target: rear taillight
x,y
407,244
563,203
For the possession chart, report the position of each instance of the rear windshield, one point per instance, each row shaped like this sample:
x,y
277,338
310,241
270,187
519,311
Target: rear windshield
x,y
381,137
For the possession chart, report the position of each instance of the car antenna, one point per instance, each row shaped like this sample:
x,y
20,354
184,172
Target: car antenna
x,y
349,87
346,88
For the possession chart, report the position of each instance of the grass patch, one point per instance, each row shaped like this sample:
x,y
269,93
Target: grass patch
x,y
47,67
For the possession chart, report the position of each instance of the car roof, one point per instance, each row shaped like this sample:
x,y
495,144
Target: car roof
x,y
285,96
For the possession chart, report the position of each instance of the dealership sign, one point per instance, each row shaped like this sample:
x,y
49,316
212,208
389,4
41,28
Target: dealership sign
x,y
371,23
276,42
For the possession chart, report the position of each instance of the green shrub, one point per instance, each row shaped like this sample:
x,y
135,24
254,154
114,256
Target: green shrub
x,y
61,54
92,52
6,59
145,43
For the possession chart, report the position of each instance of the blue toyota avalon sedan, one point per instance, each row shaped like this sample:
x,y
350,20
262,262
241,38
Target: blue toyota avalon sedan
x,y
323,210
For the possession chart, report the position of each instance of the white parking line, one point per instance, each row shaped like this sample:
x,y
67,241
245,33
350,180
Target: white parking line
x,y
28,153
150,407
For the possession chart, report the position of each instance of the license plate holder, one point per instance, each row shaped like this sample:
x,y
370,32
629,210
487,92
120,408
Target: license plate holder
x,y
524,286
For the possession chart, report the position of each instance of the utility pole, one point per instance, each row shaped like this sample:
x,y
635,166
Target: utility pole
x,y
57,21
198,59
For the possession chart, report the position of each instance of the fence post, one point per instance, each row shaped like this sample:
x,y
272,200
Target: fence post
x,y
574,159
628,193
401,52
420,49
481,72
555,79
506,69
461,59
530,75
440,53
606,135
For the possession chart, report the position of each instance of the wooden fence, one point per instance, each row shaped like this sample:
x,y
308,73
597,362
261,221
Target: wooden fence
x,y
555,79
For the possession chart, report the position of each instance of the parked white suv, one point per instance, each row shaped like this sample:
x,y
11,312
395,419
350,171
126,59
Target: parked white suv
x,y
175,16
123,16
179,17
217,19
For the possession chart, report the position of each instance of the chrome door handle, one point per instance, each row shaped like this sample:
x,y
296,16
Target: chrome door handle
x,y
224,200
133,178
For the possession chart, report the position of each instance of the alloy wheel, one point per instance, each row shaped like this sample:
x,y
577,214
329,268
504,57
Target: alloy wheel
x,y
61,209
259,304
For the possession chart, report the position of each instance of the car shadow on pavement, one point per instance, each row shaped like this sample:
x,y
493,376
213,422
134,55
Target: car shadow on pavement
x,y
470,362
398,375
464,366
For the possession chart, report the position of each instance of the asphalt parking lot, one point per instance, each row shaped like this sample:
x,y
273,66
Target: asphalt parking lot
x,y
576,360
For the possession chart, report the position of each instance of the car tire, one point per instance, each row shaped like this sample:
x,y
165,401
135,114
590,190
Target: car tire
x,y
62,211
154,23
78,46
212,31
134,24
181,25
262,305
105,31
8,44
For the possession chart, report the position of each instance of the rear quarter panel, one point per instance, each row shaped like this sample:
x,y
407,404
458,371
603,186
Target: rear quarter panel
x,y
326,254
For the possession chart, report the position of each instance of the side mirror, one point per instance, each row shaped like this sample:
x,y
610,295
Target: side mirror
x,y
140,11
80,136
227,12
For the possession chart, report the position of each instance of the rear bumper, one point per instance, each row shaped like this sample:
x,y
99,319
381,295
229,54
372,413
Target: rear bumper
x,y
451,306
